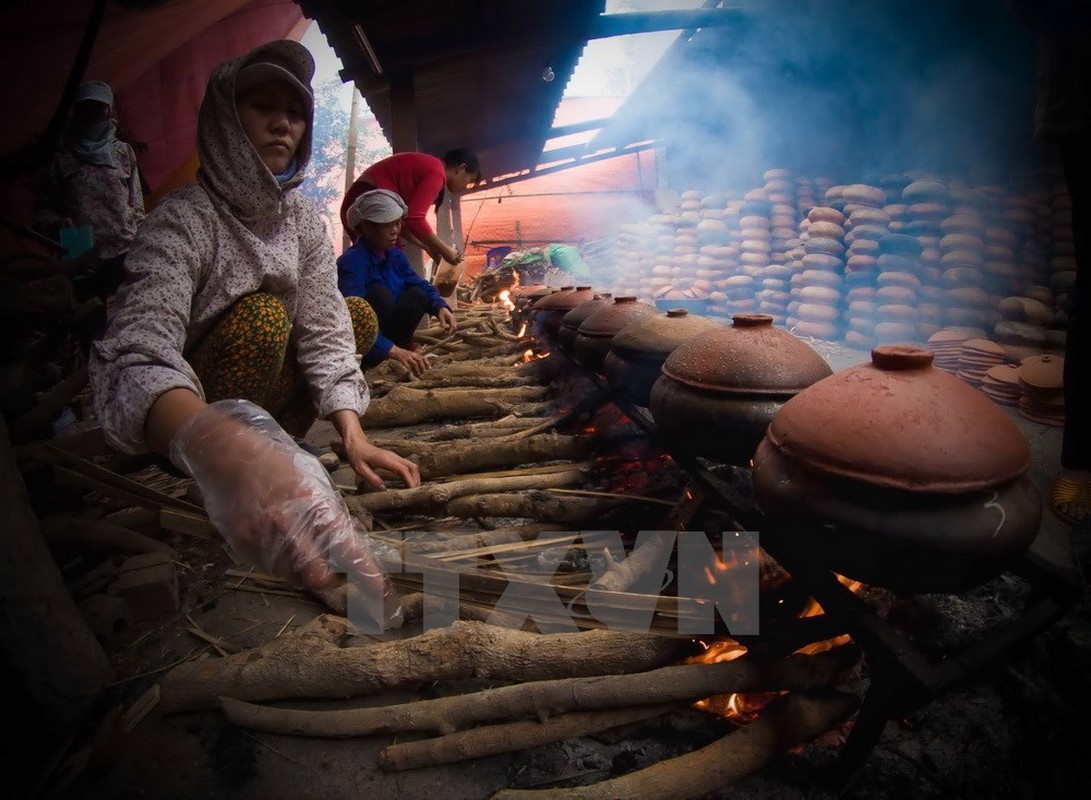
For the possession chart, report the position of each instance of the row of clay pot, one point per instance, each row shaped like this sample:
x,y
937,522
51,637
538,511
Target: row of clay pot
x,y
893,473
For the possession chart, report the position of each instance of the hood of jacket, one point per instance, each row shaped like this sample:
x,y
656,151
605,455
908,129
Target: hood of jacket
x,y
231,169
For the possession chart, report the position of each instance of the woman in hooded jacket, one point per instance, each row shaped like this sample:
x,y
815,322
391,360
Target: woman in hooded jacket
x,y
229,335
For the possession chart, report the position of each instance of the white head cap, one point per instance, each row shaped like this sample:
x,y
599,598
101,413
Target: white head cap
x,y
98,91
378,205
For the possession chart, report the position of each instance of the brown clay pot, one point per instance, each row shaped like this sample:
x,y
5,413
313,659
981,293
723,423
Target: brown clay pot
x,y
897,474
570,322
719,391
524,299
549,311
595,333
639,349
900,423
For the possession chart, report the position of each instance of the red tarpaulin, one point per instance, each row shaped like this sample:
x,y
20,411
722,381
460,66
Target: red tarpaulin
x,y
157,61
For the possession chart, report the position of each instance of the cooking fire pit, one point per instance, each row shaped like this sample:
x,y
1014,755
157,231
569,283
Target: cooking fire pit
x,y
902,676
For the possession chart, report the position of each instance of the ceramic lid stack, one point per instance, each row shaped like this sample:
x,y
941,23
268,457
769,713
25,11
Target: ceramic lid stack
x,y
893,184
817,291
1001,385
807,194
783,216
771,282
947,346
1041,379
750,237
977,357
635,251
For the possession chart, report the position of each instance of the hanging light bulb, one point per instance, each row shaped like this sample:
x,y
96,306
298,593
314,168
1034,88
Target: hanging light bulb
x,y
547,73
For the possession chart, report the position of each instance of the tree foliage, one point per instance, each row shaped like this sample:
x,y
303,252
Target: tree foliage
x,y
325,183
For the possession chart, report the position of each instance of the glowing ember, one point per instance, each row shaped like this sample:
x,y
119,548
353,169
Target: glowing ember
x,y
530,355
522,330
742,708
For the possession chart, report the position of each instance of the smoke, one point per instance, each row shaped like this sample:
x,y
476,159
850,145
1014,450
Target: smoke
x,y
845,89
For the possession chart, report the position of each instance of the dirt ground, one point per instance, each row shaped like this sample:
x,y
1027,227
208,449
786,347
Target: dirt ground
x,y
1020,730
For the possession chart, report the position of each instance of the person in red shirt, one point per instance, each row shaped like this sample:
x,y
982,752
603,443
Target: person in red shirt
x,y
420,180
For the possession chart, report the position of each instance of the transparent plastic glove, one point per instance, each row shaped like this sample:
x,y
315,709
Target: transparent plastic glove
x,y
276,507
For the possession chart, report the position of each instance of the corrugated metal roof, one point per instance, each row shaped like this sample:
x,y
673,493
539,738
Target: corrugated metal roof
x,y
474,67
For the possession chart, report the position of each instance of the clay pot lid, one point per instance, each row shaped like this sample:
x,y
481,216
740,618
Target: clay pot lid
x,y
1004,373
1042,372
659,335
610,319
986,346
566,299
752,356
532,298
575,317
900,423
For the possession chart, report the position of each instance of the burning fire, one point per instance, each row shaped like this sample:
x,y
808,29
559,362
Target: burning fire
x,y
505,300
529,355
742,708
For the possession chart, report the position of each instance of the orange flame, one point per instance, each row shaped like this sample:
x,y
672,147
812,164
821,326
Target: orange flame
x,y
522,330
743,708
505,300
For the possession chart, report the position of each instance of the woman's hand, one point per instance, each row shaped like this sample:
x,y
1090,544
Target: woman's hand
x,y
273,503
451,255
447,319
365,458
414,362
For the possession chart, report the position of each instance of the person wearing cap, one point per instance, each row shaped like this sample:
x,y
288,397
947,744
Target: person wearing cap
x,y
229,336
375,268
94,181
420,180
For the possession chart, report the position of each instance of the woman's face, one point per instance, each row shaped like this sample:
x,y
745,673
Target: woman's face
x,y
381,235
275,119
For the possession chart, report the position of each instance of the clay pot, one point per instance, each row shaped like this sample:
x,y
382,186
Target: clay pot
x,y
595,333
897,474
570,322
719,391
639,349
549,311
524,298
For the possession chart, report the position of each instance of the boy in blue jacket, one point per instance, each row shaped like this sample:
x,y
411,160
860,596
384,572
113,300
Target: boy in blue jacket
x,y
376,269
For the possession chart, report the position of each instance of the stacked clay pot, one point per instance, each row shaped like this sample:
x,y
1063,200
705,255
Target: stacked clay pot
x,y
1041,381
977,357
595,333
719,390
638,350
816,291
783,221
899,475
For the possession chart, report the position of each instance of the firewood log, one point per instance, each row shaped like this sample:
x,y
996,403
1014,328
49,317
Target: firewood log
x,y
476,456
544,699
785,723
311,664
532,505
407,406
431,496
511,737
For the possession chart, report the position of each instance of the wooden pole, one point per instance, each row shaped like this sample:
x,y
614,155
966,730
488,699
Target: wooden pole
x,y
350,156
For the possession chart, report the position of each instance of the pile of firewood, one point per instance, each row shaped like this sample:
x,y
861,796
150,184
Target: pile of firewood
x,y
558,686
